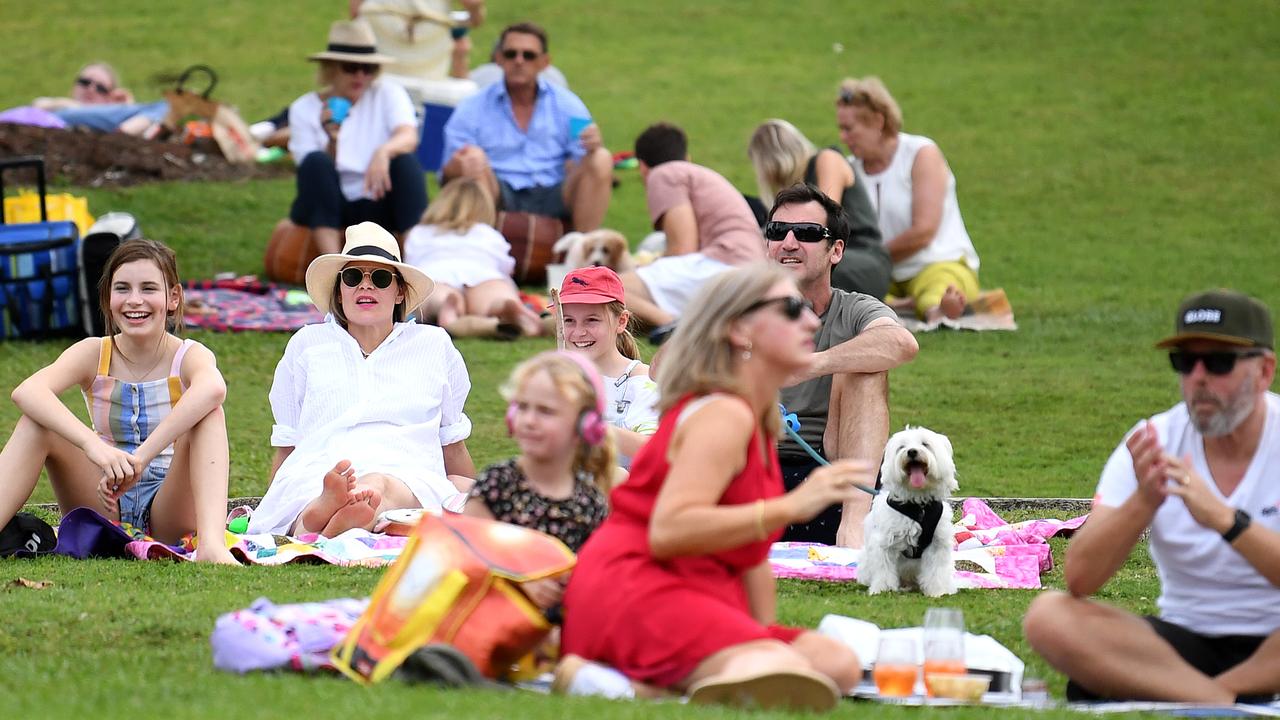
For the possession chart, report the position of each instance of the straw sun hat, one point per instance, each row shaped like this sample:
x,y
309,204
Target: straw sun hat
x,y
352,41
366,242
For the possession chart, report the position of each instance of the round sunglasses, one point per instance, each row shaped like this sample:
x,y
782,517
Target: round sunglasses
x,y
775,231
380,277
1215,363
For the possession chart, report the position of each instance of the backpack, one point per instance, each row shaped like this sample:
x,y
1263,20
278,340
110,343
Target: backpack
x,y
99,242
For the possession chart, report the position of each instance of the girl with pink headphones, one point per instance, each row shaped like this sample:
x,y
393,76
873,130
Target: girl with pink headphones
x,y
558,482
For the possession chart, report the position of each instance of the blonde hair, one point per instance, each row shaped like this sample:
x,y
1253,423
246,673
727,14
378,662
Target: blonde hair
x,y
327,71
870,93
105,67
462,203
700,359
626,342
779,153
571,381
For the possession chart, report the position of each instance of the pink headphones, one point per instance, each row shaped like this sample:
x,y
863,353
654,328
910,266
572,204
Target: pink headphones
x,y
591,425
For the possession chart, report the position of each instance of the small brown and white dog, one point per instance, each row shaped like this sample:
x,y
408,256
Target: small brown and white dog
x,y
601,247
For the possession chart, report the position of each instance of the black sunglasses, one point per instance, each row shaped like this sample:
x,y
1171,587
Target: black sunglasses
x,y
528,55
351,68
775,231
1215,363
380,277
793,306
85,82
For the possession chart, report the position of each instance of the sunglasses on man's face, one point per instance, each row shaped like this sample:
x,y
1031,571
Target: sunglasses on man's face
x,y
528,55
85,82
351,68
792,306
805,232
380,277
1215,363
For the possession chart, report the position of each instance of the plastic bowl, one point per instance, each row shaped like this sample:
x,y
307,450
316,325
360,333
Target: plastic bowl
x,y
969,688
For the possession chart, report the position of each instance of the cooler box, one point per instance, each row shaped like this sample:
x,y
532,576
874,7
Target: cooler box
x,y
438,99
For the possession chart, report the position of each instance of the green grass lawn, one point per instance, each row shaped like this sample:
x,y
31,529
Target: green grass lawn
x,y
1110,158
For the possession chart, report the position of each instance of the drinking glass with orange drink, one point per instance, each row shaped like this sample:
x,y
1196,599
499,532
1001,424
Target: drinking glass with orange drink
x,y
943,643
896,667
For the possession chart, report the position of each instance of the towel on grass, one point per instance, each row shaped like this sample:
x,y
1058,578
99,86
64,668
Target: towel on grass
x,y
1005,555
989,311
247,304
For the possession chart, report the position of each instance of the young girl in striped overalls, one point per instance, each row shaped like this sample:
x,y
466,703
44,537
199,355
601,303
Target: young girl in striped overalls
x,y
155,456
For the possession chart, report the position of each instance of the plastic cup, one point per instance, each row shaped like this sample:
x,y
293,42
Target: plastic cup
x,y
896,667
943,643
577,125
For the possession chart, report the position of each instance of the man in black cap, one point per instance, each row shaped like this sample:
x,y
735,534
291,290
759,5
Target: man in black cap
x,y
1204,477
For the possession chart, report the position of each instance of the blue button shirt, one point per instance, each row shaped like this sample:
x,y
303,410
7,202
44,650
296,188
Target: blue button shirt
x,y
519,158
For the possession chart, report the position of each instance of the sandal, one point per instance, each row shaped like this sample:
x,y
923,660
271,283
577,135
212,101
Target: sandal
x,y
786,689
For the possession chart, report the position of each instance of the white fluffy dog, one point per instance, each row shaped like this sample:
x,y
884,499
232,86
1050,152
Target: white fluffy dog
x,y
908,532
598,247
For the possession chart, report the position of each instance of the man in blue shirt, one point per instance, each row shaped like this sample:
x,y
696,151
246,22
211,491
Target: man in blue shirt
x,y
531,143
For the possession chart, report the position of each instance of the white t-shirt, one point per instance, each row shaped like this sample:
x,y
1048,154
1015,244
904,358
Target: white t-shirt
x,y
1205,585
382,108
890,191
631,403
391,412
461,259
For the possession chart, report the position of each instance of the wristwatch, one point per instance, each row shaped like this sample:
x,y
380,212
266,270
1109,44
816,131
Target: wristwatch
x,y
1242,522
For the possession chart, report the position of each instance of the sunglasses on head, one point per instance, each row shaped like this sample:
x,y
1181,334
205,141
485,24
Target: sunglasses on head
x,y
776,231
792,306
1215,363
528,55
85,82
351,68
380,277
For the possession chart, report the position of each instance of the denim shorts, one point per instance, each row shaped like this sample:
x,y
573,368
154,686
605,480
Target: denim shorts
x,y
135,504
538,199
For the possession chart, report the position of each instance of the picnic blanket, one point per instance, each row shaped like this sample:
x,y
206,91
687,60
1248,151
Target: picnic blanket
x,y
989,552
83,533
246,303
991,310
297,636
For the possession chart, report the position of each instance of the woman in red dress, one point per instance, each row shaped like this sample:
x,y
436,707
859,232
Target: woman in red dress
x,y
674,589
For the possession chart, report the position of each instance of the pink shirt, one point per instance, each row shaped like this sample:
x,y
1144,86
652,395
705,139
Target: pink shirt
x,y
727,229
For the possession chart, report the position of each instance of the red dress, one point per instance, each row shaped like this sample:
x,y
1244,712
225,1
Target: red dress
x,y
656,620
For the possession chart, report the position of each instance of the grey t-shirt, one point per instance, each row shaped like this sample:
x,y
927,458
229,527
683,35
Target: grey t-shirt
x,y
848,315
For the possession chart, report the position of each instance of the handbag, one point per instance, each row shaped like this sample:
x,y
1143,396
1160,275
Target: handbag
x,y
289,251
532,239
229,130
456,582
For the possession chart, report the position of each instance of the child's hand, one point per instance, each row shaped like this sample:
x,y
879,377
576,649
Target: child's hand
x,y
117,465
545,593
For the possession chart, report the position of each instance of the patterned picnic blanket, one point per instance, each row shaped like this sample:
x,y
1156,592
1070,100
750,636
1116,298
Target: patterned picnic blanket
x,y
246,303
990,552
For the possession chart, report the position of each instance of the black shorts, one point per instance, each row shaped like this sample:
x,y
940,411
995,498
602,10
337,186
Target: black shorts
x,y
1210,654
821,529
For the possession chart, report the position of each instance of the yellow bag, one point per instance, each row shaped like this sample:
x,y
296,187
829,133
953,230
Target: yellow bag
x,y
25,208
456,582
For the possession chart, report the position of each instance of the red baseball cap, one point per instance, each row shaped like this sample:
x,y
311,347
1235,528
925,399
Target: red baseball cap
x,y
593,286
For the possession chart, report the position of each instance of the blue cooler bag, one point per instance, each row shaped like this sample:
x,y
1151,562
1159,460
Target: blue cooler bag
x,y
39,273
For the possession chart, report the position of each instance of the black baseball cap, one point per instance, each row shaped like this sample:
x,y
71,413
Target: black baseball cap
x,y
1223,316
26,534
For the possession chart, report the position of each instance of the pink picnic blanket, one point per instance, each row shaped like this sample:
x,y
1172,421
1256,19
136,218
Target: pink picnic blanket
x,y
1006,555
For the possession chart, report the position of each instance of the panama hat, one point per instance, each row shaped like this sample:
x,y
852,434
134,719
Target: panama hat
x,y
352,41
366,242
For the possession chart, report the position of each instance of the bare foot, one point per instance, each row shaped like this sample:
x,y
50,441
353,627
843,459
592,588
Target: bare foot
x,y
335,495
952,303
215,553
513,312
358,513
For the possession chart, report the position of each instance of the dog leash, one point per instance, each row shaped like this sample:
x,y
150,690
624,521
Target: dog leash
x,y
791,424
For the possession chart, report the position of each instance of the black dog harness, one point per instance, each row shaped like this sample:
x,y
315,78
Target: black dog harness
x,y
926,515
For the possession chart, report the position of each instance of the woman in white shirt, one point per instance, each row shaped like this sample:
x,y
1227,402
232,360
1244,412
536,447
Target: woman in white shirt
x,y
935,266
368,406
353,141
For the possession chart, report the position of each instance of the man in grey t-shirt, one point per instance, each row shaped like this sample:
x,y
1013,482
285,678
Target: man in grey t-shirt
x,y
842,400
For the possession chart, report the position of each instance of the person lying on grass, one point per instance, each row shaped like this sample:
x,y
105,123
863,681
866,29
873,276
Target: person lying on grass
x,y
155,456
367,405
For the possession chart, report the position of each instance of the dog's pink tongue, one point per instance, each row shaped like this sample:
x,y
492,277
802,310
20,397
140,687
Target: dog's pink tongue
x,y
916,477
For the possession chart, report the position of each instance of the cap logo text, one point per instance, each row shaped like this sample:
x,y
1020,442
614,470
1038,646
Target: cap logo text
x,y
1202,315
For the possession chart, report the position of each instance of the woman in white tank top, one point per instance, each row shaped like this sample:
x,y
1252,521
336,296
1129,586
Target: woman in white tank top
x,y
935,266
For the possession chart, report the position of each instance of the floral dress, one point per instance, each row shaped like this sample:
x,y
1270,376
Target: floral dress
x,y
506,492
